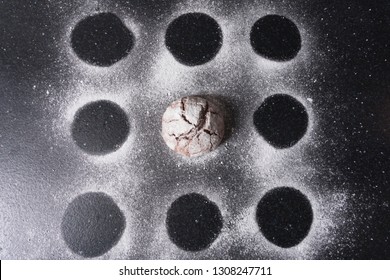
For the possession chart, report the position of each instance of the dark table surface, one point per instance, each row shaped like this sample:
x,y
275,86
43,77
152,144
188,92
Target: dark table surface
x,y
341,75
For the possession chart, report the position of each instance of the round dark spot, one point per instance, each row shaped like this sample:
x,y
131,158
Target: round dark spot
x,y
281,120
92,224
284,216
193,222
276,38
193,38
100,127
101,39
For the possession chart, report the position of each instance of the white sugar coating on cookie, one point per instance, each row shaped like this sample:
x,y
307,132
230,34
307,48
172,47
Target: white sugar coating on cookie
x,y
193,126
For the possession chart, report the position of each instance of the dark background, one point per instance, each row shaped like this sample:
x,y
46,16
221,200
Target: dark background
x,y
39,175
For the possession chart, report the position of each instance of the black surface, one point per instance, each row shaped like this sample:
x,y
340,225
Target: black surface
x,y
92,224
102,39
281,120
194,38
343,67
275,37
193,222
100,127
284,216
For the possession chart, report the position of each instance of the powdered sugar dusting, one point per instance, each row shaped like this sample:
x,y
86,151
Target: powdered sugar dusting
x,y
144,177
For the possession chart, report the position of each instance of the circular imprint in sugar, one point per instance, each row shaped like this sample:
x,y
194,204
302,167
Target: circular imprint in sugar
x,y
284,216
281,120
102,39
275,37
193,126
100,127
193,38
193,222
92,224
